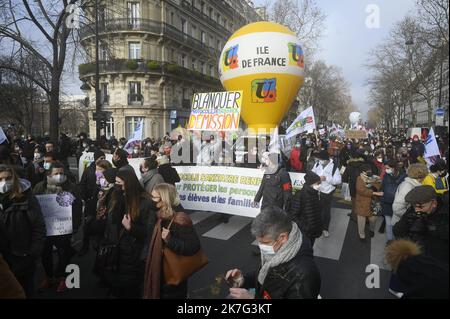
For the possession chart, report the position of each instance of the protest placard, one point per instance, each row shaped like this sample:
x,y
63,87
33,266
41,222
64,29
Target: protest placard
x,y
57,212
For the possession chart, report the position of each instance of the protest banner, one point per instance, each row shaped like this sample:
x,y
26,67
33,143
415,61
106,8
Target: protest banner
x,y
215,111
57,212
305,122
222,189
356,134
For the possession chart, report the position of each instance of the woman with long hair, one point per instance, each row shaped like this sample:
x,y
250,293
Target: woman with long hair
x,y
128,224
174,230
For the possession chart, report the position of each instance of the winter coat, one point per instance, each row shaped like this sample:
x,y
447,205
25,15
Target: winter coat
x,y
23,223
352,173
169,174
305,211
430,231
438,183
132,244
275,189
298,278
389,187
150,179
89,190
88,183
77,205
364,198
183,241
399,206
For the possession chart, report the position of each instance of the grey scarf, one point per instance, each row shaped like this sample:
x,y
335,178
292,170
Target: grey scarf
x,y
288,251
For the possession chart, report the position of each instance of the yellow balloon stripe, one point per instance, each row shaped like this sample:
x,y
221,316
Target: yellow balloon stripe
x,y
262,26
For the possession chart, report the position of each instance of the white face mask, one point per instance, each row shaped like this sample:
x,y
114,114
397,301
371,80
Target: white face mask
x,y
5,186
322,162
316,186
37,157
266,249
47,166
389,171
380,160
57,179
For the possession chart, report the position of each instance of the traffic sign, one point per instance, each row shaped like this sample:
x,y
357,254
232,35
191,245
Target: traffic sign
x,y
440,112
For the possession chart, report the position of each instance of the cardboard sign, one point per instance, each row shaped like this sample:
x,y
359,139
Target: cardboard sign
x,y
356,134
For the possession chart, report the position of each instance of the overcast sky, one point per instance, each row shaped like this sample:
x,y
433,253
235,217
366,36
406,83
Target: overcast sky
x,y
346,42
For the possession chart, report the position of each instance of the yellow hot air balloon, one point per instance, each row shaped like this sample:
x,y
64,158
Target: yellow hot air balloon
x,y
266,62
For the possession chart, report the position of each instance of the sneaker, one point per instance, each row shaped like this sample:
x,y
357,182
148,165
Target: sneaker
x,y
396,293
326,234
62,285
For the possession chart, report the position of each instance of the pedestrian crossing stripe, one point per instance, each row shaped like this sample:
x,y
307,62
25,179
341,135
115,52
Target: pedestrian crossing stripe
x,y
329,248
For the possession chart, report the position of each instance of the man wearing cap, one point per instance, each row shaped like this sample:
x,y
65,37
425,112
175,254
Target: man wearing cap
x,y
425,222
330,177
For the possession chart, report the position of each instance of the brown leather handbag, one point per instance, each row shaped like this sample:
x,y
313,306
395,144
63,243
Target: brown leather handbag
x,y
177,268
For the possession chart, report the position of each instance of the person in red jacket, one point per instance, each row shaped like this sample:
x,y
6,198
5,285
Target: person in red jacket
x,y
294,160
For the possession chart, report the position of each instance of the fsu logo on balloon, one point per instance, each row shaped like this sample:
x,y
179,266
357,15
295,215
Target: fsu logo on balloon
x,y
230,58
296,56
264,90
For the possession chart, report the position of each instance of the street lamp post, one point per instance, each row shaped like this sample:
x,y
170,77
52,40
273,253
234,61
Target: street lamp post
x,y
97,76
87,88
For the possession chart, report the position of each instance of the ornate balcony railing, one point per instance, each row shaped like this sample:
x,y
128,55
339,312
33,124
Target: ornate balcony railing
x,y
150,26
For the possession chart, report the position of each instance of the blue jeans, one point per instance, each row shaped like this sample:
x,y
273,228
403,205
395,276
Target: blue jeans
x,y
389,232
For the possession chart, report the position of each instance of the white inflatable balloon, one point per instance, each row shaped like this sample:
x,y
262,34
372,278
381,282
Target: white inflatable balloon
x,y
354,118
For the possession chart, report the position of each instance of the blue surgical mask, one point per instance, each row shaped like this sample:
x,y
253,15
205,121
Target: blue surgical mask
x,y
47,166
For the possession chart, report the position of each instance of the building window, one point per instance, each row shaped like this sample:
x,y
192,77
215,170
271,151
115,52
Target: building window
x,y
210,13
109,130
172,55
194,31
211,70
132,123
172,18
219,45
104,96
134,93
211,41
203,67
103,53
203,36
183,26
218,18
225,22
133,14
202,7
134,50
194,64
183,60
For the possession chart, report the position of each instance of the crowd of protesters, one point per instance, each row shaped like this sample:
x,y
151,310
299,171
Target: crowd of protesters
x,y
129,219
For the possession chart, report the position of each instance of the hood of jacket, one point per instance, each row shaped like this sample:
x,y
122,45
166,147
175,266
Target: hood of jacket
x,y
148,176
412,181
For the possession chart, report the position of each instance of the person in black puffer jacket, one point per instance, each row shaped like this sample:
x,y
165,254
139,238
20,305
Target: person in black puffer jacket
x,y
287,271
23,227
128,224
305,209
426,222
